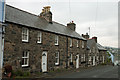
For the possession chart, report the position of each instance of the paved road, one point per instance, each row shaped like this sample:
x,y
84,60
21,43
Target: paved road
x,y
94,72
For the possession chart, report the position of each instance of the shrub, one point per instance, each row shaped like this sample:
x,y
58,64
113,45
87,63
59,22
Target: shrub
x,y
20,73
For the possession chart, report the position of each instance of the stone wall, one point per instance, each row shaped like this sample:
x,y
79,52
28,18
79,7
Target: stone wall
x,y
14,48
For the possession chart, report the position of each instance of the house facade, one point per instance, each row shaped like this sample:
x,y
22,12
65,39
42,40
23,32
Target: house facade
x,y
102,54
96,53
36,43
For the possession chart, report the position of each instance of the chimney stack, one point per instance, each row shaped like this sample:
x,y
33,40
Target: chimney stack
x,y
95,38
85,36
71,25
46,13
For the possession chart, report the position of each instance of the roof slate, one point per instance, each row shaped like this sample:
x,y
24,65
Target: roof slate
x,y
100,47
90,42
21,17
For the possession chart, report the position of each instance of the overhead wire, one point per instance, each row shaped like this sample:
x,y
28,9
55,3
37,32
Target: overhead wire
x,y
69,11
96,14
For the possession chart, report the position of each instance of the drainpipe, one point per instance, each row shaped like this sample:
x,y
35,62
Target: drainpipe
x,y
66,53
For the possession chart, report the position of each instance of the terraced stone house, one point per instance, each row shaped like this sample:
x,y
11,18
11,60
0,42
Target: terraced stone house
x,y
96,53
36,43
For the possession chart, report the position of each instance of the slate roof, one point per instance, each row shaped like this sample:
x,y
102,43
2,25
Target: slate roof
x,y
21,17
100,47
90,42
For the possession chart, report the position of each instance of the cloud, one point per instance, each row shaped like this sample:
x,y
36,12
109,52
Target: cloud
x,y
83,13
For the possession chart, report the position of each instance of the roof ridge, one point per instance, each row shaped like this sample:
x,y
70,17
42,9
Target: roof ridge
x,y
59,23
21,10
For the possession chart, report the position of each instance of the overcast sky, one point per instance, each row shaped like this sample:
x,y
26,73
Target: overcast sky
x,y
100,15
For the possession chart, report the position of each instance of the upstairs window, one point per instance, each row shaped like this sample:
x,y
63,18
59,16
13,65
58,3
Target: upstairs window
x,y
57,58
77,43
82,44
25,34
39,37
25,59
56,40
70,42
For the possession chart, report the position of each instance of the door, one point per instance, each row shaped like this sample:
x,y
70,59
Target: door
x,y
93,60
103,59
44,61
77,61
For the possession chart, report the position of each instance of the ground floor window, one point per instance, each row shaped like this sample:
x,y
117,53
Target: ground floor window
x,y
25,59
90,58
71,59
57,58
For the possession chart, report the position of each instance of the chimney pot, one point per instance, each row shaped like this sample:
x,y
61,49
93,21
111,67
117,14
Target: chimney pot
x,y
46,13
71,25
95,38
85,36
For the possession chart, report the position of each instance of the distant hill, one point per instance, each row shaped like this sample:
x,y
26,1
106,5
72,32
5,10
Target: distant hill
x,y
113,50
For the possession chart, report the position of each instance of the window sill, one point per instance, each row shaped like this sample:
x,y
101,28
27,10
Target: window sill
x,y
57,64
24,40
39,42
24,66
56,45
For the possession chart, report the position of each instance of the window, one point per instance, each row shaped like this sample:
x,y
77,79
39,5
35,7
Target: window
x,y
71,57
25,34
97,58
77,43
39,37
57,58
56,40
90,58
84,57
82,44
93,49
70,42
25,59
90,50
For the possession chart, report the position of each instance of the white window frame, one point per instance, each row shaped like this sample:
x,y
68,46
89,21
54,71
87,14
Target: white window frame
x,y
90,58
39,37
97,58
90,50
57,58
71,42
25,34
71,57
84,57
82,44
77,43
56,39
25,57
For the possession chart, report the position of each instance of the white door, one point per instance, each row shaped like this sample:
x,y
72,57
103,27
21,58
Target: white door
x,y
93,60
77,61
44,61
103,59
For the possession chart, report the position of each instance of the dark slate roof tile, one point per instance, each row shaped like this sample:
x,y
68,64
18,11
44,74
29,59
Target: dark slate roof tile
x,y
24,18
